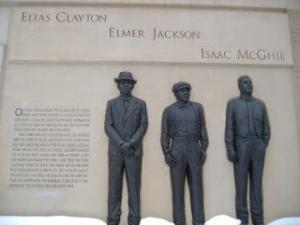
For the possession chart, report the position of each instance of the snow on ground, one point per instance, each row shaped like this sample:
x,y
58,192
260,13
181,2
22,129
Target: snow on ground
x,y
155,221
287,221
65,220
223,220
217,220
51,220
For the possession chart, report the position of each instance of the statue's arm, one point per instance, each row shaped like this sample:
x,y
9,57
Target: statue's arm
x,y
203,131
109,126
266,127
232,154
165,139
165,133
138,135
229,128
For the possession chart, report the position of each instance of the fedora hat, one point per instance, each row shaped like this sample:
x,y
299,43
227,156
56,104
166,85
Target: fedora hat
x,y
124,75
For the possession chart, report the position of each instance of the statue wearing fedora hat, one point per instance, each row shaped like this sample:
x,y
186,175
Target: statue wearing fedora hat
x,y
184,142
125,124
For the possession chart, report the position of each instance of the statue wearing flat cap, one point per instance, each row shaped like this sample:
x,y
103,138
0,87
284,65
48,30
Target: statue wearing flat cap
x,y
125,125
184,142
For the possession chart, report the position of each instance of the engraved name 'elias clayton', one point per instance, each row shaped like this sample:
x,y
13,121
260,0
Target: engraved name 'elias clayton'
x,y
157,34
63,17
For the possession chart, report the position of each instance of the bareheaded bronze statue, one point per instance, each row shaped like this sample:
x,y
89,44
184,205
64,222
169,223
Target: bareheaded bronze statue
x,y
247,136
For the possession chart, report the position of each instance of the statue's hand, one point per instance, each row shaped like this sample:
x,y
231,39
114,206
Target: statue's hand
x,y
170,159
202,157
233,156
125,145
126,148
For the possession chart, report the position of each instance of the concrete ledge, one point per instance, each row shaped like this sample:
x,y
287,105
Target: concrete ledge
x,y
255,4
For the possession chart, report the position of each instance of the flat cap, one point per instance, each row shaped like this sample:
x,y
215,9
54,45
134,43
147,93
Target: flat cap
x,y
179,85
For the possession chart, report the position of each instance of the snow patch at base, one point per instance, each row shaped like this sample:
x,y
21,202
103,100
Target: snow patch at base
x,y
48,220
223,220
66,220
217,220
156,221
287,221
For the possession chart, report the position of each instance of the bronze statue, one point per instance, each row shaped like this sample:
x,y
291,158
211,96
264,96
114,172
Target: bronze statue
x,y
125,124
184,142
247,135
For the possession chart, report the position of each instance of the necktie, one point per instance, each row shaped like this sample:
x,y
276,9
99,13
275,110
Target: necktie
x,y
126,103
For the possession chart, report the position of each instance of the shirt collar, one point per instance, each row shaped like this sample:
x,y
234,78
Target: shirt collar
x,y
246,98
183,105
126,99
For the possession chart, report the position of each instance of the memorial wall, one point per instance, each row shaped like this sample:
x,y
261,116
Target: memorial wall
x,y
59,61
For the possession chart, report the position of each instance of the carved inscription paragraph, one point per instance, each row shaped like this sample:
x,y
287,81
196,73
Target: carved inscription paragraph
x,y
50,148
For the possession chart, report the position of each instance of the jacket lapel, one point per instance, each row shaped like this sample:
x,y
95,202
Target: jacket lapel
x,y
254,116
131,107
254,108
120,107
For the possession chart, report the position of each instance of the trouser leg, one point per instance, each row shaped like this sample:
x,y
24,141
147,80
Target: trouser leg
x,y
133,175
194,174
116,168
256,173
241,169
178,179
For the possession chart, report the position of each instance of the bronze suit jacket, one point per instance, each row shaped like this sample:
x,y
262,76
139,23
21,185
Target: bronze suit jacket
x,y
126,126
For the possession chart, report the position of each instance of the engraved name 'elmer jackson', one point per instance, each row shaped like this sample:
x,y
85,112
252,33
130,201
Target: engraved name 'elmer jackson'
x,y
115,32
175,34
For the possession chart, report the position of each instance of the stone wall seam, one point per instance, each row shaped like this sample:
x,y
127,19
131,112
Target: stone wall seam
x,y
279,7
141,62
2,75
294,24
